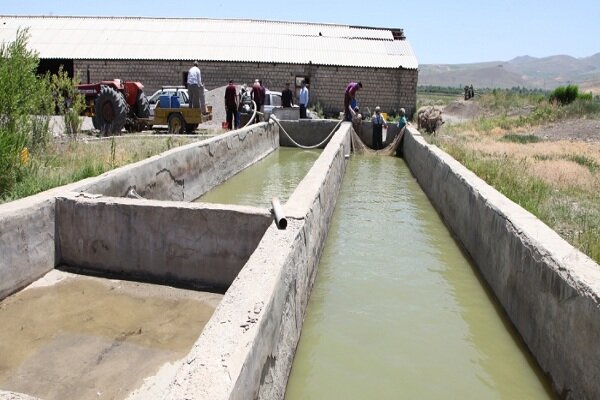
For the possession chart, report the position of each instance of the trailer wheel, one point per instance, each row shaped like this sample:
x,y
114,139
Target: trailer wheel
x,y
111,111
190,128
176,123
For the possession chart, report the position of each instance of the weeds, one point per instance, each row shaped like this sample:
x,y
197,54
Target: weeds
x,y
584,161
63,163
522,139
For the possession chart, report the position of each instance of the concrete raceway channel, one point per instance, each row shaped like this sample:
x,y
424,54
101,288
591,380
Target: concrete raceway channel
x,y
549,290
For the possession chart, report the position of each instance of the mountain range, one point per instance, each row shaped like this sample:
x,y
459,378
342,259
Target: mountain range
x,y
524,71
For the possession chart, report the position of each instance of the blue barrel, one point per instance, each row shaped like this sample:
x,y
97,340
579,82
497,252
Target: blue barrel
x,y
175,102
164,101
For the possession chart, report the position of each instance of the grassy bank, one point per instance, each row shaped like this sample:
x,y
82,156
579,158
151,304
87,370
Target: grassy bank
x,y
67,162
558,181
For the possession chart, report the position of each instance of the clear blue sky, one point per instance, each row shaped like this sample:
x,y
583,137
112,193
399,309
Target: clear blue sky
x,y
440,31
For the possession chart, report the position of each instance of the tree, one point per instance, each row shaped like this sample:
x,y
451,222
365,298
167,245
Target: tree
x,y
24,106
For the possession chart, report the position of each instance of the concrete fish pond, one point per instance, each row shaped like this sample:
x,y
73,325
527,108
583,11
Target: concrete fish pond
x,y
101,262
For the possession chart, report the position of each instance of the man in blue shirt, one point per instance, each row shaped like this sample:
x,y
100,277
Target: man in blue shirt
x,y
303,99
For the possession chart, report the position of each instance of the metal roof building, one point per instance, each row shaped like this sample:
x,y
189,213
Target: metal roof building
x,y
214,42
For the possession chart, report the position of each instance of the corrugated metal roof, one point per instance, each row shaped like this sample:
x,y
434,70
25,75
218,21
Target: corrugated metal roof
x,y
210,39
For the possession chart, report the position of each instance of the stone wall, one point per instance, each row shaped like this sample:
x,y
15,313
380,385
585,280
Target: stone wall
x,y
388,88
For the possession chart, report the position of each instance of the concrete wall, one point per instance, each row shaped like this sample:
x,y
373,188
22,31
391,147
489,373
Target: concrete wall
x,y
26,242
27,245
187,172
306,132
549,289
246,349
27,226
390,88
191,244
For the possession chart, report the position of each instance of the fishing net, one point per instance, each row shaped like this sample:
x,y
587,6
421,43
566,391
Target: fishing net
x,y
361,148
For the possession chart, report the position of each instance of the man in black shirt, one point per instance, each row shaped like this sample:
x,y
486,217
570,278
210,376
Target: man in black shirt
x,y
286,97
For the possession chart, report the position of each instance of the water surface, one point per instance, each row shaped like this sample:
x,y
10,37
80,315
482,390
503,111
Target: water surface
x,y
397,311
277,175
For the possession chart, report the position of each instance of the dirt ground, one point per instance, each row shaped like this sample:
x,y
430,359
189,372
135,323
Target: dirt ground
x,y
587,130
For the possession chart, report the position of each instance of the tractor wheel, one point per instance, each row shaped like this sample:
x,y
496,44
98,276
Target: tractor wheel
x,y
190,128
111,111
95,122
176,123
142,106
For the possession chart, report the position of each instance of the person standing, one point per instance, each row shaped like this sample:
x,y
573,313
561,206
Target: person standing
x,y
258,95
402,121
231,105
196,88
303,99
349,95
379,123
287,97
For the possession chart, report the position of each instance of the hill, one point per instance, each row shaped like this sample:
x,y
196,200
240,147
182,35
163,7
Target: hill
x,y
524,71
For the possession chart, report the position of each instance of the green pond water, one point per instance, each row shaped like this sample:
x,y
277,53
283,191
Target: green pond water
x,y
277,175
397,310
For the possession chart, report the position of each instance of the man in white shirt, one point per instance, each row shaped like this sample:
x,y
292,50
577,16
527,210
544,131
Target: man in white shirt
x,y
303,99
196,88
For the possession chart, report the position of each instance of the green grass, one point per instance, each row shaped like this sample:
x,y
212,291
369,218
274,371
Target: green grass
x,y
522,139
63,163
574,214
584,162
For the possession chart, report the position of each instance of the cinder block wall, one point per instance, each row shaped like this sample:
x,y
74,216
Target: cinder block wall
x,y
388,88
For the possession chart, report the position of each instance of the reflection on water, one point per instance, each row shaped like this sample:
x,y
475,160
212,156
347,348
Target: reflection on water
x,y
397,312
277,175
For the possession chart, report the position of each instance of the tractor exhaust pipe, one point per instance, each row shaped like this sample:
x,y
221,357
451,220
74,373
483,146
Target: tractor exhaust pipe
x,y
278,214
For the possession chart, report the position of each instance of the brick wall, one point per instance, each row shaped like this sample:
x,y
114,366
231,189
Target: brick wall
x,y
388,88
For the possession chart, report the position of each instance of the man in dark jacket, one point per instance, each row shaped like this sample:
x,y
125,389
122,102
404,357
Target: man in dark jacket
x,y
231,105
287,97
258,95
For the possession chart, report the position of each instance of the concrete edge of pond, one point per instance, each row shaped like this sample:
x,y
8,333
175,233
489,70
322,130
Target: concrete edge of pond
x,y
246,349
548,288
27,226
192,245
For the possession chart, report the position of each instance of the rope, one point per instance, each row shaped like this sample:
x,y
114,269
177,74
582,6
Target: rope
x,y
253,115
299,145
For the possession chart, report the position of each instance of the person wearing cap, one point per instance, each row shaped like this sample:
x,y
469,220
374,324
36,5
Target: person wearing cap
x,y
402,121
349,95
196,88
379,123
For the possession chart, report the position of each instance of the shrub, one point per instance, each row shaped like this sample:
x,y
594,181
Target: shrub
x,y
67,101
564,94
22,96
